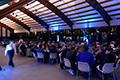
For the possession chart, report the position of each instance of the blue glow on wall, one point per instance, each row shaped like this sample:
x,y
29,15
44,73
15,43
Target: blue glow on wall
x,y
55,28
84,36
58,38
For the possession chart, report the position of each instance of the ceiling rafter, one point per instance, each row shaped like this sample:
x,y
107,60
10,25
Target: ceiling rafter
x,y
5,26
12,8
34,17
100,10
18,22
56,11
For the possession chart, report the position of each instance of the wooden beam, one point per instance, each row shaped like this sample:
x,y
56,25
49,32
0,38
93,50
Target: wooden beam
x,y
18,22
5,26
12,8
100,10
34,17
56,11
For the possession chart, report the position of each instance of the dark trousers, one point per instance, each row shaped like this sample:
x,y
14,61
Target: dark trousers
x,y
11,54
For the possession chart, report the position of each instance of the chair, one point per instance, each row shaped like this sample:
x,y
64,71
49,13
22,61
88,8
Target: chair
x,y
67,63
28,52
40,56
84,67
117,64
52,56
107,68
116,68
60,57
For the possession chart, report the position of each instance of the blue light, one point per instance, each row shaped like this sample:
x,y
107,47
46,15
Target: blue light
x,y
84,38
80,18
89,20
58,38
55,28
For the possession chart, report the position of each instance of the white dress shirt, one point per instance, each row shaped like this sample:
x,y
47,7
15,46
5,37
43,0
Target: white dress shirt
x,y
10,47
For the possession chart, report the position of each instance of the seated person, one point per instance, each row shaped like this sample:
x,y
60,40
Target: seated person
x,y
86,56
71,55
53,50
33,50
111,56
101,58
39,50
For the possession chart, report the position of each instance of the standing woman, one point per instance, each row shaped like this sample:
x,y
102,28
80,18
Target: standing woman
x,y
10,49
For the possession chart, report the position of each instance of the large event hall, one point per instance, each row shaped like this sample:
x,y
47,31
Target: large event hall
x,y
59,39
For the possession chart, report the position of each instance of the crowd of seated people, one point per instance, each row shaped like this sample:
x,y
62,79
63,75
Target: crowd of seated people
x,y
96,54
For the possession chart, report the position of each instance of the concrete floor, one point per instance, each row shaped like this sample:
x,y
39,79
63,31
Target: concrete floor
x,y
26,69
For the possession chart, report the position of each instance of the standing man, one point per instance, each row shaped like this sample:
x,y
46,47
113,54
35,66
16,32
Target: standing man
x,y
10,49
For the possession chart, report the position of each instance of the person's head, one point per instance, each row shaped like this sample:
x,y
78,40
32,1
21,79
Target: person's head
x,y
86,48
69,47
98,46
111,50
40,46
62,45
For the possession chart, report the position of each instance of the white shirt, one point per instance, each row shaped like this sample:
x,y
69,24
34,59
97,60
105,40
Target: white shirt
x,y
10,47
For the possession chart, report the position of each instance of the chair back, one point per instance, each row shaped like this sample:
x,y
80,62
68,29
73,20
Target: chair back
x,y
53,55
40,55
117,64
33,54
67,62
108,68
83,66
60,57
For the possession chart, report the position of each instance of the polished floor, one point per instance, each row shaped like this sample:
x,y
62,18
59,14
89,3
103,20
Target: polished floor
x,y
26,69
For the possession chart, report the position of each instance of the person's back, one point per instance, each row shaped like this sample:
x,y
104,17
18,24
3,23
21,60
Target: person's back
x,y
53,49
71,55
101,59
86,56
39,50
111,56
